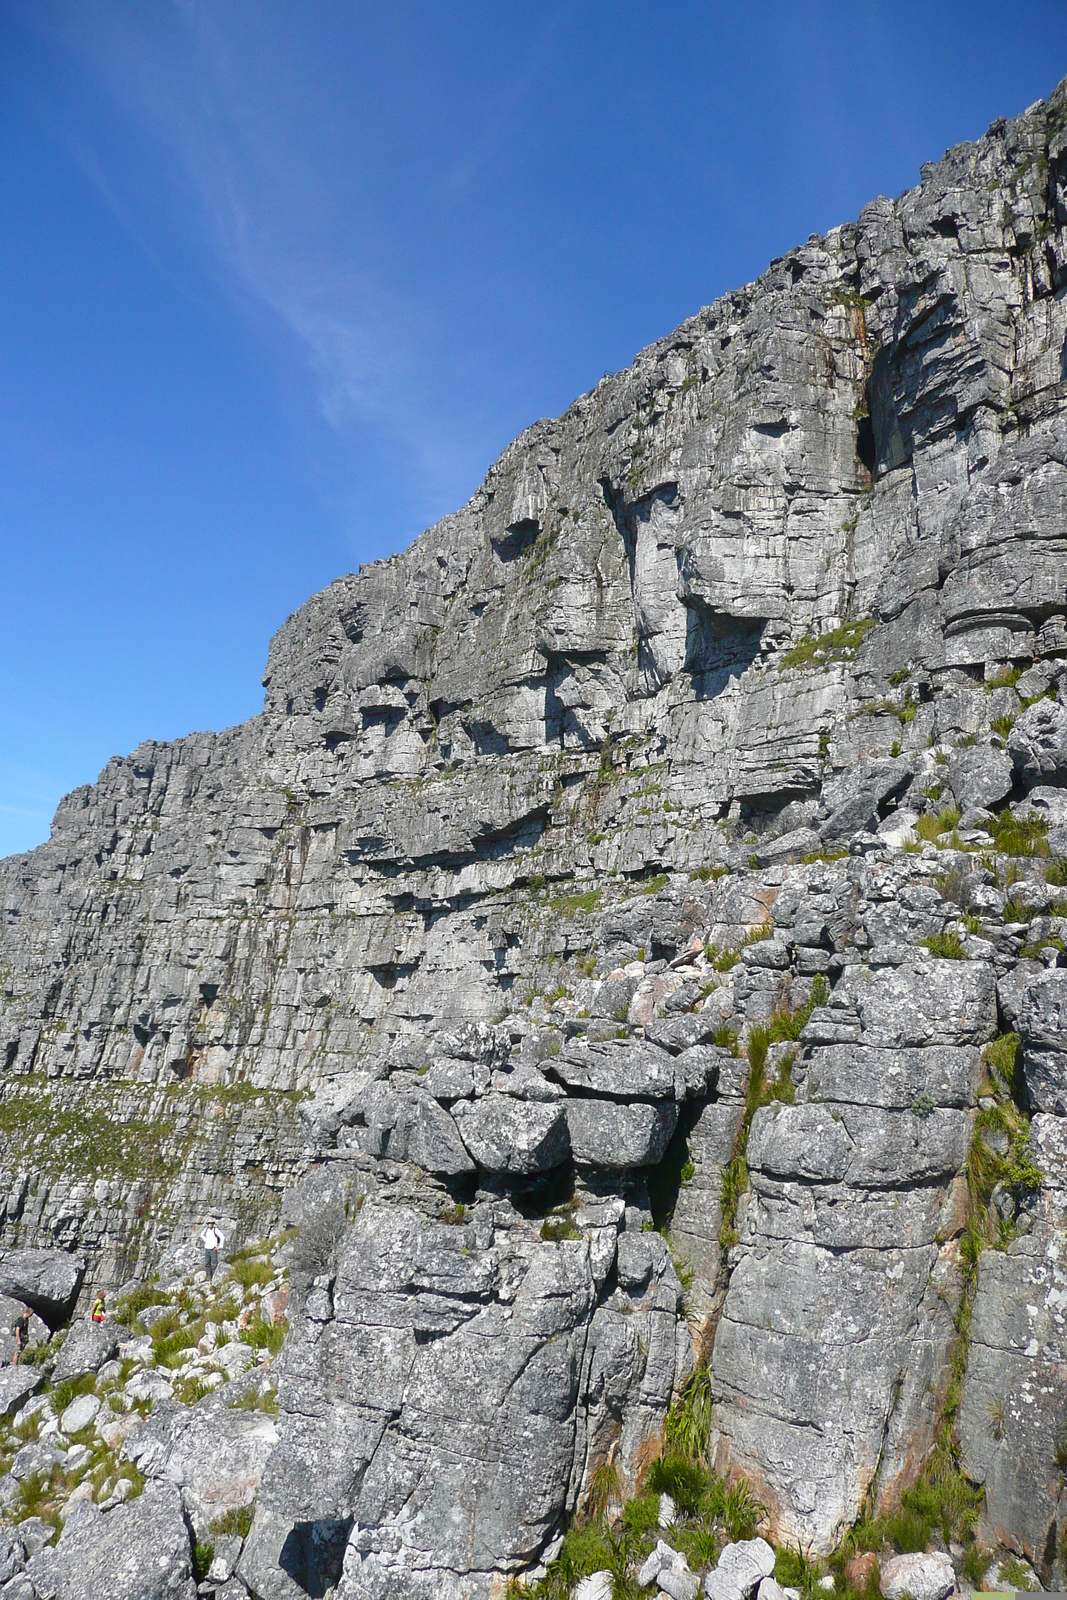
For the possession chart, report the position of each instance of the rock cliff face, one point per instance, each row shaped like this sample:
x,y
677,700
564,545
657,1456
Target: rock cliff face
x,y
673,836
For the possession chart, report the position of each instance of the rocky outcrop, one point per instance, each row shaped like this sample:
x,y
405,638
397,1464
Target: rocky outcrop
x,y
670,839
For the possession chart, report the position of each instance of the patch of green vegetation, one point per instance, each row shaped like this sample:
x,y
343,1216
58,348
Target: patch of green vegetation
x,y
249,1272
560,1223
709,1513
930,827
708,874
721,960
822,650
784,1025
265,1335
139,1299
84,1140
455,1215
190,1390
203,1556
733,1185
538,553
67,1391
946,946
267,1403
1001,1057
1003,680
567,905
1014,1574
1016,836
654,885
1003,724
904,712
234,1523
986,1168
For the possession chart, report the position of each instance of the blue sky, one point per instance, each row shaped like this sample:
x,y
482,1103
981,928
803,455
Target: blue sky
x,y
279,280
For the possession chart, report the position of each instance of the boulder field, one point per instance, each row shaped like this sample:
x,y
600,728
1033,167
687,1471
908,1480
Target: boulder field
x,y
613,999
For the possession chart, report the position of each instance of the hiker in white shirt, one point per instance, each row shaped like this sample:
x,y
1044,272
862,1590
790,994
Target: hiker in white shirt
x,y
212,1241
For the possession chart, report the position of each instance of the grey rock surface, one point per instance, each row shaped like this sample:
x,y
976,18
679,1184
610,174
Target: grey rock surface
x,y
16,1385
739,1570
508,1135
980,776
139,1551
1038,744
48,1280
619,1137
591,869
923,1577
86,1348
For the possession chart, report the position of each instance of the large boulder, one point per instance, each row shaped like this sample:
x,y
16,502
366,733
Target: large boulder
x,y
47,1280
627,1069
435,1398
508,1135
1038,744
16,1386
214,1453
739,1570
138,1551
620,1137
855,800
87,1346
922,1577
980,775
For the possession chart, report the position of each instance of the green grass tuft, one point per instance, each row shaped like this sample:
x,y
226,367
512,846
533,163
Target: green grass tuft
x,y
815,651
946,946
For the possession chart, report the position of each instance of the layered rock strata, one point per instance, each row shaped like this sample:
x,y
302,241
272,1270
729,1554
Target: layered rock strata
x,y
481,941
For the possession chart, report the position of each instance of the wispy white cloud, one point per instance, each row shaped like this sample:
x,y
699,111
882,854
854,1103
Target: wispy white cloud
x,y
227,96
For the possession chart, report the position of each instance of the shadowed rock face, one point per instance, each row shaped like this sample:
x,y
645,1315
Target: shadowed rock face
x,y
435,946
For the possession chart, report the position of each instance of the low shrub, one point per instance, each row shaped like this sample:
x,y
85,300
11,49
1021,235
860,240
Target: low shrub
x,y
265,1335
234,1523
946,946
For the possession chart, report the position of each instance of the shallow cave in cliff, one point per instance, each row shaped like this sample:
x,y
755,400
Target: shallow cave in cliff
x,y
718,646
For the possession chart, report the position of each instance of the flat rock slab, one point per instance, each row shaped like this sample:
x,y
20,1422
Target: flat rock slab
x,y
139,1551
617,1068
47,1280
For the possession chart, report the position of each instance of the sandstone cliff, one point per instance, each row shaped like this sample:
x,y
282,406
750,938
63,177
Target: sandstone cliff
x,y
673,836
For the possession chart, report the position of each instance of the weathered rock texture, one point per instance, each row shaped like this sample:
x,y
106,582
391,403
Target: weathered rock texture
x,y
426,939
